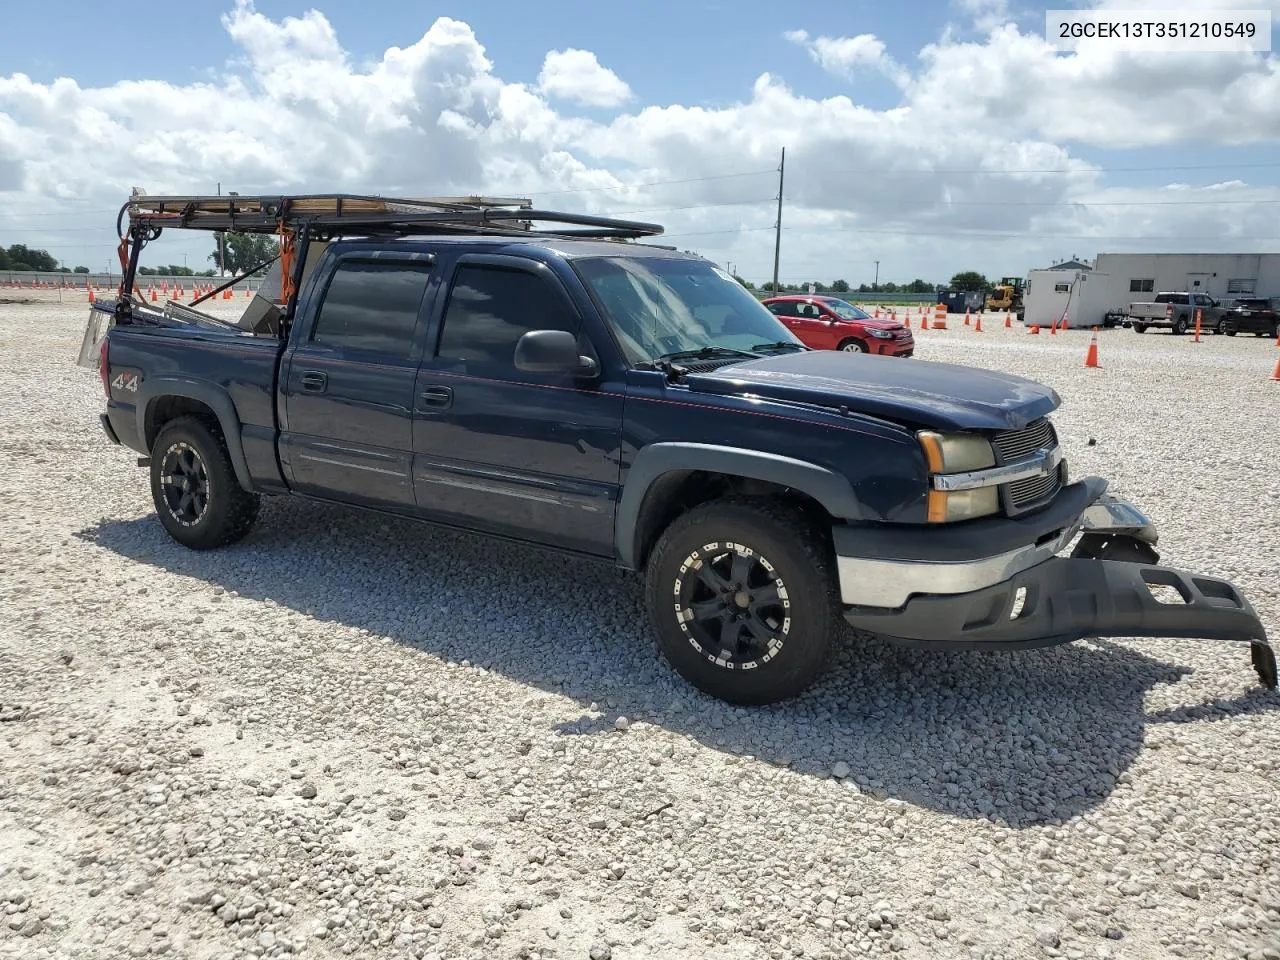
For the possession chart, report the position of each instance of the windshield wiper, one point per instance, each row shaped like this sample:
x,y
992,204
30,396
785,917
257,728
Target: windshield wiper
x,y
705,353
780,345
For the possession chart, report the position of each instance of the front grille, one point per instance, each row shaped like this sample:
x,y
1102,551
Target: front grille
x,y
1016,444
1013,445
1023,492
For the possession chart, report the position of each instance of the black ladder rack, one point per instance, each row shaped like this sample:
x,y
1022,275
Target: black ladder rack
x,y
327,216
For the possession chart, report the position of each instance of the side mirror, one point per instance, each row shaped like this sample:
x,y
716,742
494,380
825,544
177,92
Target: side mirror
x,y
552,351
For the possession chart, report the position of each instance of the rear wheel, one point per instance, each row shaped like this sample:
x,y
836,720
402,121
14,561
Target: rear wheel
x,y
1139,328
197,497
743,599
1180,326
852,346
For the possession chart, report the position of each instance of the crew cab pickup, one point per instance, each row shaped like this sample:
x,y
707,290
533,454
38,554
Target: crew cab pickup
x,y
1176,311
630,403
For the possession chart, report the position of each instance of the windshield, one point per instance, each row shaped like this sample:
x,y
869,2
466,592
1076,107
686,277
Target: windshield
x,y
846,311
658,306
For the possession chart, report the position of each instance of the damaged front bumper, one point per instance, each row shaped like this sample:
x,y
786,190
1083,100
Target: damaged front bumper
x,y
975,589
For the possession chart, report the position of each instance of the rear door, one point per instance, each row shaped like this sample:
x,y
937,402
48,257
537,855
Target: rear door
x,y
532,456
348,384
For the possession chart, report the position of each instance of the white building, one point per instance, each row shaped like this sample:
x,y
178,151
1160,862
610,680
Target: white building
x,y
1086,292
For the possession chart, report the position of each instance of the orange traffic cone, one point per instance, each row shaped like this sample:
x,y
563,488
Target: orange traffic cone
x,y
1008,321
977,327
906,320
1053,328
91,295
1275,374
1035,328
153,294
877,313
966,316
924,322
1091,356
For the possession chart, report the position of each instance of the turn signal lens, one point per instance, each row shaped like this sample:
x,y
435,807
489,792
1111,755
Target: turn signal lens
x,y
950,506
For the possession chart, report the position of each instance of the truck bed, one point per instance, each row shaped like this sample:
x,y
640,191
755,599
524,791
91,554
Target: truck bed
x,y
242,365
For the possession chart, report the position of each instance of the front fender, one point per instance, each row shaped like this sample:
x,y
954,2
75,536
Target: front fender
x,y
656,460
212,396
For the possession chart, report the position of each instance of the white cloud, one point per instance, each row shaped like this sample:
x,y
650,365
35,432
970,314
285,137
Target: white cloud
x,y
577,75
843,56
986,14
937,182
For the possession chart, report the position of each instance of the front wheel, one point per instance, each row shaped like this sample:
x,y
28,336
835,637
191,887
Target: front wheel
x,y
853,346
1179,326
198,499
743,600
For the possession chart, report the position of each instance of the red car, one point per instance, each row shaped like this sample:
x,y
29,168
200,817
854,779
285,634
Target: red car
x,y
829,323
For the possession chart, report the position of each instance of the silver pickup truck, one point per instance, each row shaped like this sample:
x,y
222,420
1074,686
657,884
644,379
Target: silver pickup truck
x,y
1177,311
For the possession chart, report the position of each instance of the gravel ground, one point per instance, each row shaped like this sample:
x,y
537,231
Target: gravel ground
x,y
353,737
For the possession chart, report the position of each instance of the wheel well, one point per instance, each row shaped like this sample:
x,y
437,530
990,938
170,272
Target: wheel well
x,y
679,491
164,409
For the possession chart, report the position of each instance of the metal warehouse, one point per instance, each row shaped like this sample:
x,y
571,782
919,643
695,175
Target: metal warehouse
x,y
1085,292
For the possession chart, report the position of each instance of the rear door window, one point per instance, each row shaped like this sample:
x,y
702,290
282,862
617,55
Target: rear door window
x,y
372,307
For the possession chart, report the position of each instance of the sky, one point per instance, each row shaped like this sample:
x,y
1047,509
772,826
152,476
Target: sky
x,y
931,137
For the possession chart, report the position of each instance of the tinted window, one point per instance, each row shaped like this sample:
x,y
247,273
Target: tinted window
x,y
490,308
786,308
372,306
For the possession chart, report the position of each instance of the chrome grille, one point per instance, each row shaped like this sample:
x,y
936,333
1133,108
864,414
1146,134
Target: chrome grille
x,y
1022,492
1016,444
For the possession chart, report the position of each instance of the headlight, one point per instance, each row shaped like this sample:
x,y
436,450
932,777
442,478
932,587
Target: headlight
x,y
880,334
958,453
949,506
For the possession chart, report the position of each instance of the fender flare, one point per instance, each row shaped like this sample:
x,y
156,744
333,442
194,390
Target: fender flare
x,y
652,462
214,397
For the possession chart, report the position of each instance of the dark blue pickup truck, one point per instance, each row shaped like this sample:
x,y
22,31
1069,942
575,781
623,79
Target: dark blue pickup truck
x,y
624,401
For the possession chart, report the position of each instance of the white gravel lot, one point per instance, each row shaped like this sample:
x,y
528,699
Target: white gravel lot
x,y
349,736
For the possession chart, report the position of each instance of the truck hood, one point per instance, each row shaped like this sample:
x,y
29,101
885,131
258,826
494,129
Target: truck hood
x,y
922,393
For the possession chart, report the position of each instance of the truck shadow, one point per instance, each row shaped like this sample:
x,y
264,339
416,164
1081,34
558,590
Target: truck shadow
x,y
1021,738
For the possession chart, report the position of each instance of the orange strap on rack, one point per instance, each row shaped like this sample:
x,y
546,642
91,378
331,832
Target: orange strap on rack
x,y
286,263
122,252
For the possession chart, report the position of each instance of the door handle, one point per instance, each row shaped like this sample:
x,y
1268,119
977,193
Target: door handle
x,y
436,396
313,381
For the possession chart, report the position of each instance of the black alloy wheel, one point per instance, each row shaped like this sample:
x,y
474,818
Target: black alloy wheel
x,y
184,479
732,605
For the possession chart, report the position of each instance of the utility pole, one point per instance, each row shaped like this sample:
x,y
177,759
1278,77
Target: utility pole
x,y
222,249
777,235
876,285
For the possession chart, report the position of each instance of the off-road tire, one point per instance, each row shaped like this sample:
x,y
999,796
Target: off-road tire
x,y
788,545
229,510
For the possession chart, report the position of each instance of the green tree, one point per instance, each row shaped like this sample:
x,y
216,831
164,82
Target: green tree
x,y
22,257
889,287
80,270
746,283
919,286
970,281
840,286
244,251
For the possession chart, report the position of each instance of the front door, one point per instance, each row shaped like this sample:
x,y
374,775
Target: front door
x,y
532,456
349,384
